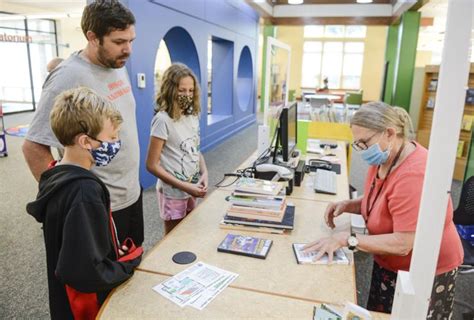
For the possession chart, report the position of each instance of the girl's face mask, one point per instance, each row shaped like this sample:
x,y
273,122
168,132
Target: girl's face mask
x,y
186,103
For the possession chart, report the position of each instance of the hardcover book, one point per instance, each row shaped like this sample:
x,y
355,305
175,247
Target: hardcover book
x,y
239,227
470,96
245,245
430,103
307,257
257,213
250,185
460,149
286,223
433,85
467,122
256,201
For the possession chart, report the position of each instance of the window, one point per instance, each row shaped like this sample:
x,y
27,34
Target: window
x,y
335,52
26,46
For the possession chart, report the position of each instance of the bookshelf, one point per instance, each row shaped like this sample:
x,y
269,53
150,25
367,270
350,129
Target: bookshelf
x,y
428,103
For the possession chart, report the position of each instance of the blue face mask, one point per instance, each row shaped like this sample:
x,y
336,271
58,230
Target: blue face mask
x,y
105,152
374,156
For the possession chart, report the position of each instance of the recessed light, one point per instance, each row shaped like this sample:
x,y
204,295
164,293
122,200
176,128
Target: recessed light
x,y
365,1
295,1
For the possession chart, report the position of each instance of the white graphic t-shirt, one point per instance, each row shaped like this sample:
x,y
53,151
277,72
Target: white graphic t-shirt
x,y
121,175
180,153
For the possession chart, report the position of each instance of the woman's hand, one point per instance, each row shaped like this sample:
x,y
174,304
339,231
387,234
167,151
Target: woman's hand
x,y
196,190
333,210
327,245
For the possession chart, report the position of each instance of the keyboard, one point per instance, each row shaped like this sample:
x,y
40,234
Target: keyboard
x,y
325,182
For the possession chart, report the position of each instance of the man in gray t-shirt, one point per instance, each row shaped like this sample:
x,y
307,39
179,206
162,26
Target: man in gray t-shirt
x,y
109,29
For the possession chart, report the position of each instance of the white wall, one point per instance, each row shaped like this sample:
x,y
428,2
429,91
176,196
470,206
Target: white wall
x,y
70,34
15,8
68,29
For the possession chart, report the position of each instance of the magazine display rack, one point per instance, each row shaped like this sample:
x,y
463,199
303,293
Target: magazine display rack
x,y
3,141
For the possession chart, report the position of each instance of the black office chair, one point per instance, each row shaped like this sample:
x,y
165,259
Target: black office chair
x,y
464,213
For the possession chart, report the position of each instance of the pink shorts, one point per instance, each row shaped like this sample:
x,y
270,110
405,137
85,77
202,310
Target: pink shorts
x,y
174,209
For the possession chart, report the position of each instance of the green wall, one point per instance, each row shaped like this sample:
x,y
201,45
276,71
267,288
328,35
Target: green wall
x,y
401,54
391,56
470,161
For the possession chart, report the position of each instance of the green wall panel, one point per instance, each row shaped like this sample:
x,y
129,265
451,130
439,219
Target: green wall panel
x,y
406,56
391,56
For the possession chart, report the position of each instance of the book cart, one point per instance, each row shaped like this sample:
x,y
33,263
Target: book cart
x,y
3,141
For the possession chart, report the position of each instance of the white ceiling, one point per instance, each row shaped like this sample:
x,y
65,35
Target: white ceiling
x,y
432,38
46,6
332,9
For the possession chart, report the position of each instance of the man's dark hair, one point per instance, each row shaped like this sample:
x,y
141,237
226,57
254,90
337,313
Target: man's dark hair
x,y
105,16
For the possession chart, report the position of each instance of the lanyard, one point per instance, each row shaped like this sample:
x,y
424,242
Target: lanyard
x,y
372,187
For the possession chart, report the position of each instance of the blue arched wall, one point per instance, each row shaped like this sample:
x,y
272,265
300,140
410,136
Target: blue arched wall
x,y
234,21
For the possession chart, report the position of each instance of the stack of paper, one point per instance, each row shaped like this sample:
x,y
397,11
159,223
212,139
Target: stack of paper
x,y
196,286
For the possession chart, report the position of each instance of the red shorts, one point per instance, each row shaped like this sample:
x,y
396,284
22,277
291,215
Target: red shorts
x,y
175,209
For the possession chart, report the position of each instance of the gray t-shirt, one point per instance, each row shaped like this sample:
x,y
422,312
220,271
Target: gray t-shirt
x,y
121,175
180,153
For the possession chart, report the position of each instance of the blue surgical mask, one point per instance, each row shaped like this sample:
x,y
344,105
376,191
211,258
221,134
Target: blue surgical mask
x,y
374,156
105,152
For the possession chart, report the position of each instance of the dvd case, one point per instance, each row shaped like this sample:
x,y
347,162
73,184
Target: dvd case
x,y
245,245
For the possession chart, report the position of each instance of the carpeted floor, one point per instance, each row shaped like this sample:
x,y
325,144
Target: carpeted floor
x,y
23,293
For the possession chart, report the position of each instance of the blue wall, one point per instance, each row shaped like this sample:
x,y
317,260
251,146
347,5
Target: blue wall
x,y
186,26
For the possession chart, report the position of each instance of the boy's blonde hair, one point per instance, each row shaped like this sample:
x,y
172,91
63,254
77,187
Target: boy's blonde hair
x,y
167,98
81,110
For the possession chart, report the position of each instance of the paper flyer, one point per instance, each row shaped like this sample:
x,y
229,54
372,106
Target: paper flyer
x,y
196,286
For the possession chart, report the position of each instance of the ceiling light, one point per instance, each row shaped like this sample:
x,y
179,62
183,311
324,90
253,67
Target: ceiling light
x,y
365,1
295,1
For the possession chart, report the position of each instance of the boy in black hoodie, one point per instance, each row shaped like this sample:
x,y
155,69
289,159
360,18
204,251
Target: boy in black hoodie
x,y
84,259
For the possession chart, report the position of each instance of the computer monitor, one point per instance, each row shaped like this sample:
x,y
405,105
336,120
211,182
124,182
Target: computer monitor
x,y
287,132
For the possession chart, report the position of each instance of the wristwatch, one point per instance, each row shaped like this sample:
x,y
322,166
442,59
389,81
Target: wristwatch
x,y
352,242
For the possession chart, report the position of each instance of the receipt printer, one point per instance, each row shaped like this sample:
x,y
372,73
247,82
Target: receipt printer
x,y
275,173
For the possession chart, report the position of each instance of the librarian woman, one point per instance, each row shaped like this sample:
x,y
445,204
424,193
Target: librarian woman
x,y
393,185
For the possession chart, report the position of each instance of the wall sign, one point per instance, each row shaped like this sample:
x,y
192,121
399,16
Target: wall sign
x,y
14,38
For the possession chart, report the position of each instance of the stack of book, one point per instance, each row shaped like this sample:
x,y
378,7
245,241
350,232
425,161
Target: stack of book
x,y
255,205
258,186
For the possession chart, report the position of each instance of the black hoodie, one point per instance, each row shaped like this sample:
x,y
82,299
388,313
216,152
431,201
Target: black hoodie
x,y
81,251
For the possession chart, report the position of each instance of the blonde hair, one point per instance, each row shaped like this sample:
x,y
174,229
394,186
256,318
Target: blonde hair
x,y
53,63
167,98
379,116
81,110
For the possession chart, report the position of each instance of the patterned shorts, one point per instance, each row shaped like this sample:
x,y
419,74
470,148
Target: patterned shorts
x,y
175,209
382,291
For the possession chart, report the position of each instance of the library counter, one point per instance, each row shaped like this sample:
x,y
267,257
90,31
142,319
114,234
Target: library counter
x,y
276,287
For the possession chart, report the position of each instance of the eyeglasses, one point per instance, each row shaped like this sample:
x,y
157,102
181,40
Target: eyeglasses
x,y
360,145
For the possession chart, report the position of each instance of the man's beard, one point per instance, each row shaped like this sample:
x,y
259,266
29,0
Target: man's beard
x,y
109,62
